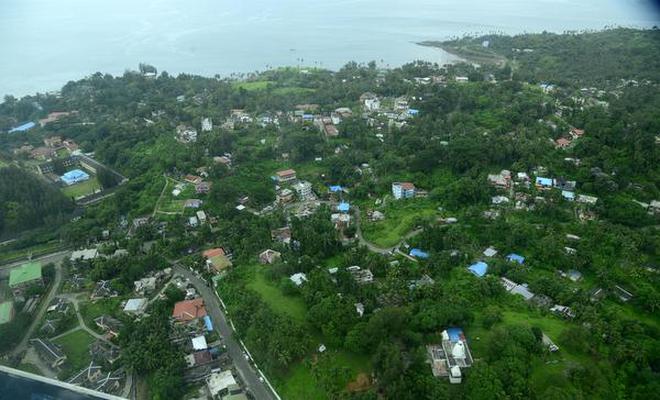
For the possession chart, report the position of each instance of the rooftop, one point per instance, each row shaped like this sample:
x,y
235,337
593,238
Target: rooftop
x,y
479,268
188,310
6,311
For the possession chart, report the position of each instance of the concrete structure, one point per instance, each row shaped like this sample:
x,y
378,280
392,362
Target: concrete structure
x,y
450,356
403,190
304,190
189,310
287,175
136,306
269,256
298,278
219,384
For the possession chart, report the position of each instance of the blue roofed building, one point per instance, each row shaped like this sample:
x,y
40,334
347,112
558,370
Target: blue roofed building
x,y
208,324
74,176
412,112
419,253
336,188
513,257
23,127
479,268
343,207
543,183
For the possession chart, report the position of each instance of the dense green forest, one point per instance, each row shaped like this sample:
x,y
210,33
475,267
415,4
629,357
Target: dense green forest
x,y
461,132
28,202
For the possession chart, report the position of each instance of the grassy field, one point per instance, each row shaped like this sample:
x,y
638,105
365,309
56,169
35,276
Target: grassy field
x,y
91,310
82,189
76,347
400,219
299,382
273,296
287,91
7,256
171,204
253,85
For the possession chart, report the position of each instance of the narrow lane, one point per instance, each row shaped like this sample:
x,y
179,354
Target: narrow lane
x,y
249,375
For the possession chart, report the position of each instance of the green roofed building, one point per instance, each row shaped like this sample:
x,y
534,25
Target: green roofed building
x,y
6,312
26,275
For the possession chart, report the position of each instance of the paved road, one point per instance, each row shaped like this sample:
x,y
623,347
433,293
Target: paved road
x,y
38,317
249,375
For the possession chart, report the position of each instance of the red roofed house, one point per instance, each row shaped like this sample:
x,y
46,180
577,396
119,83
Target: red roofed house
x,y
576,133
189,310
287,175
216,259
562,143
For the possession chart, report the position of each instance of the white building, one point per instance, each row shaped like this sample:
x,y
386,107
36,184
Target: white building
x,y
304,190
135,306
207,125
372,104
298,278
201,216
403,190
219,383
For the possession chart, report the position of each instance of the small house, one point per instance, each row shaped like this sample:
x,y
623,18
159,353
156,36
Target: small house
x,y
269,256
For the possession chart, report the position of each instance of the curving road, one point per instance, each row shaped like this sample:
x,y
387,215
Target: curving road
x,y
250,376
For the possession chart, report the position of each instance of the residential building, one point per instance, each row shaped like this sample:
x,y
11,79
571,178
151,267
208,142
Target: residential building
x,y
304,190
282,235
361,276
49,352
188,310
490,252
199,343
109,325
186,134
201,216
340,220
584,199
501,180
544,183
298,278
216,259
451,355
145,286
419,253
84,255
103,290
269,256
403,190
136,306
285,196
562,143
479,268
202,187
219,384
25,276
286,175
207,125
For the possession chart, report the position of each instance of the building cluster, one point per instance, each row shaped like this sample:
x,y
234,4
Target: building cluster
x,y
451,356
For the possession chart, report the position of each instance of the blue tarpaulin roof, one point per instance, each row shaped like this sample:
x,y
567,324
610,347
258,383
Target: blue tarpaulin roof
x,y
455,334
74,176
413,111
23,127
419,253
479,268
516,257
343,207
207,323
543,181
568,195
336,188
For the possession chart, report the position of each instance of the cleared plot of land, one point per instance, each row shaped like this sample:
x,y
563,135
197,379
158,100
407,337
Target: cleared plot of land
x,y
401,217
76,347
171,204
253,85
300,381
273,296
83,188
91,310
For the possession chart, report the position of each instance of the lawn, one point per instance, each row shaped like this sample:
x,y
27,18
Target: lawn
x,y
76,347
273,296
171,204
292,90
82,189
91,310
401,217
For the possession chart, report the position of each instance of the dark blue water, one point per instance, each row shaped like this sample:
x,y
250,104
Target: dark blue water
x,y
45,43
13,387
